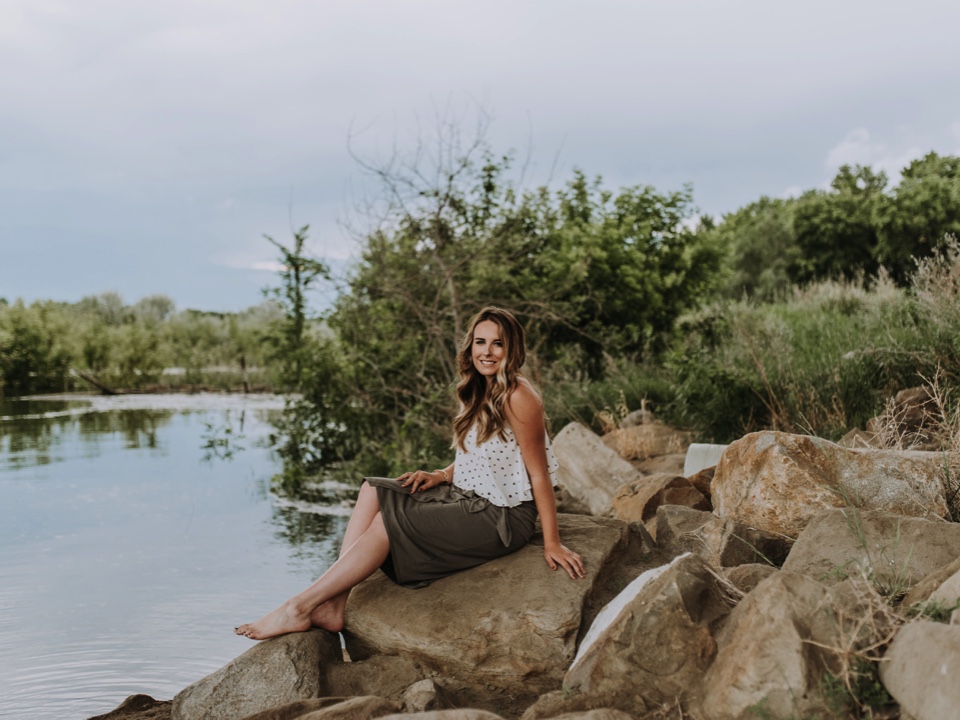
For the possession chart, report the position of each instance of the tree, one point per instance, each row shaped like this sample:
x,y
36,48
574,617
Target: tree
x,y
298,274
925,207
836,230
590,272
34,356
762,250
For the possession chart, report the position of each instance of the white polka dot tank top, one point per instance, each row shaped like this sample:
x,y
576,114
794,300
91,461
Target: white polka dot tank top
x,y
495,469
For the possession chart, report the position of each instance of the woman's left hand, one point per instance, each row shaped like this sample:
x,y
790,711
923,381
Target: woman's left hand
x,y
419,480
562,556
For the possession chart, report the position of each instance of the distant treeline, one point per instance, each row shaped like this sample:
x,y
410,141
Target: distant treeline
x,y
128,347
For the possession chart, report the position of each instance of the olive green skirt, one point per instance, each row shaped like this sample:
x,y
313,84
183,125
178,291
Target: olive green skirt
x,y
443,530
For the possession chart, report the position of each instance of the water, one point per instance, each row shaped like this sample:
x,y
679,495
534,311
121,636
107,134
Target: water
x,y
129,550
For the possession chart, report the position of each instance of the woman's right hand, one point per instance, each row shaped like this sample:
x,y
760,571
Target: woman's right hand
x,y
420,480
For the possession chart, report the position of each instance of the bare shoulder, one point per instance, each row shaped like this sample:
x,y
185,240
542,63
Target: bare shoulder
x,y
524,405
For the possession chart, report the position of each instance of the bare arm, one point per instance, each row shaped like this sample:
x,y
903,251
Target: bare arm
x,y
525,414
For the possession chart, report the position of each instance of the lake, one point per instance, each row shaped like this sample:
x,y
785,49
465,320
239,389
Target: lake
x,y
135,532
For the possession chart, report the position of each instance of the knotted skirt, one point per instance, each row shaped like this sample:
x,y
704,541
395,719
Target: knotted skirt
x,y
445,529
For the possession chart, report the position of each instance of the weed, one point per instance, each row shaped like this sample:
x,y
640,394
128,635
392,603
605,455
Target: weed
x,y
935,610
858,694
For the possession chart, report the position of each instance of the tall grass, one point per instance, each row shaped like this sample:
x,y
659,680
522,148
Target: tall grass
x,y
821,362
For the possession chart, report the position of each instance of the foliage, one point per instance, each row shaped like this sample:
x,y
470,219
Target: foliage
x,y
33,356
822,361
762,247
288,342
924,207
847,232
128,346
591,274
836,230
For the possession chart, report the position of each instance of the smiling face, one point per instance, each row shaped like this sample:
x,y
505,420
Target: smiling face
x,y
488,350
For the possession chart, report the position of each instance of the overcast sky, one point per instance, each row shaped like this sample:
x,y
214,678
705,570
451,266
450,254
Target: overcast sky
x,y
146,147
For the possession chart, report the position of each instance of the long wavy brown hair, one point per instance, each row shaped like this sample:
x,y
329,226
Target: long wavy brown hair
x,y
481,402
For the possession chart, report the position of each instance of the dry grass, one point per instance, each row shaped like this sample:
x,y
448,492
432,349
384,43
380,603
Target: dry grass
x,y
938,427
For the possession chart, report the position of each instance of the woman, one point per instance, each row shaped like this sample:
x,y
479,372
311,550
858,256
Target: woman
x,y
426,525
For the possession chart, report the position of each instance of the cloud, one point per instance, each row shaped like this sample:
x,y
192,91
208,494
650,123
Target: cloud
x,y
860,148
269,266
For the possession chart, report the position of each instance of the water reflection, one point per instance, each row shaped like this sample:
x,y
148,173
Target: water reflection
x,y
316,517
109,502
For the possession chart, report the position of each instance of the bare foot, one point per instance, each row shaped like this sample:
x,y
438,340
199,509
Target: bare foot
x,y
329,615
285,619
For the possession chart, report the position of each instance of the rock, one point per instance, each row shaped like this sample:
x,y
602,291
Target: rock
x,y
509,624
777,482
567,503
723,543
637,417
589,470
543,709
638,501
598,714
295,710
383,675
271,673
639,442
773,650
701,481
138,707
653,642
922,591
357,708
426,695
457,714
921,669
948,594
671,464
858,438
892,551
746,577
685,496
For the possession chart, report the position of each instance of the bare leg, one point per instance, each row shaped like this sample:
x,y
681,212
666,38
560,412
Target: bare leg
x,y
357,563
331,615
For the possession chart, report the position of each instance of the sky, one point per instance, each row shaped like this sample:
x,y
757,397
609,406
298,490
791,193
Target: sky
x,y
148,147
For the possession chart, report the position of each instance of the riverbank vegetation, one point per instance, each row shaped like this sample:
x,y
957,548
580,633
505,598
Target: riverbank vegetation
x,y
101,341
802,314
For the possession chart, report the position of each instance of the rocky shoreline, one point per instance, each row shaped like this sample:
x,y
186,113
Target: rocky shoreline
x,y
797,578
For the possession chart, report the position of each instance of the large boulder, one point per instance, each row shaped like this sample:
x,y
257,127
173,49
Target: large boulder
x,y
653,642
589,470
388,676
777,482
723,543
777,644
920,670
510,624
271,673
892,551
